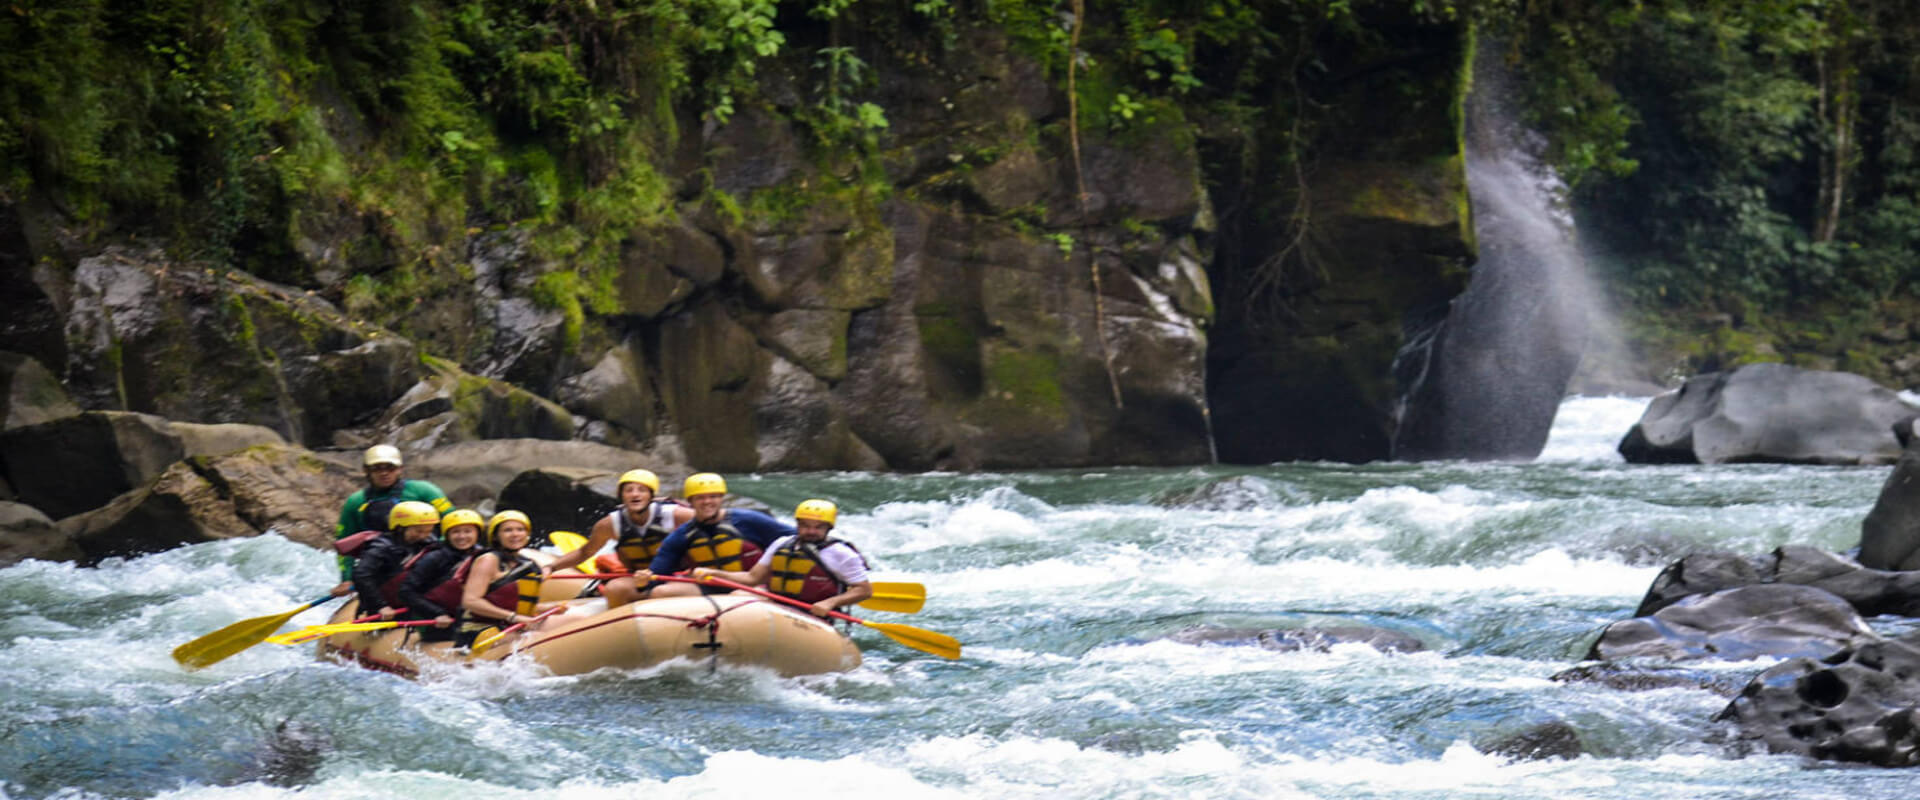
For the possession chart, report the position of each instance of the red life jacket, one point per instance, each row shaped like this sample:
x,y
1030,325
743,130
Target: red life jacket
x,y
799,573
390,591
451,591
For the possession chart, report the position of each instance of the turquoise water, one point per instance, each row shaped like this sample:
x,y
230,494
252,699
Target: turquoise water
x,y
1062,585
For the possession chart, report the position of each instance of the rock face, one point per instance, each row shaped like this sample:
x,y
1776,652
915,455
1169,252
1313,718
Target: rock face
x,y
73,464
1770,413
1738,624
1890,536
29,394
26,533
1860,704
562,498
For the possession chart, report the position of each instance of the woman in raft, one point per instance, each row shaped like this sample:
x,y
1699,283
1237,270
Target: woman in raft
x,y
433,587
503,586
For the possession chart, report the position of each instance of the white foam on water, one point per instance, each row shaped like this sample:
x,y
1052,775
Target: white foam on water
x,y
1589,429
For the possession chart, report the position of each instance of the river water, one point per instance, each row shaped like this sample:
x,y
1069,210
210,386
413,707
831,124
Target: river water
x,y
1062,586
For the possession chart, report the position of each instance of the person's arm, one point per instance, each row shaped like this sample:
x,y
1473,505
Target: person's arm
x,y
597,538
759,528
761,571
370,571
845,563
672,551
486,568
348,524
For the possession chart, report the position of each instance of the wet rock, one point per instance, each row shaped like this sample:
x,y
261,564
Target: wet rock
x,y
295,754
26,533
453,405
1890,535
29,394
1238,493
1542,742
1860,704
563,498
207,498
73,464
483,469
612,392
1315,638
1639,678
1735,624
1871,592
1769,413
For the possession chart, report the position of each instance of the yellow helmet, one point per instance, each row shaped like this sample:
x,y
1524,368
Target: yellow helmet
x,y
506,516
701,483
817,510
639,476
465,516
381,454
410,513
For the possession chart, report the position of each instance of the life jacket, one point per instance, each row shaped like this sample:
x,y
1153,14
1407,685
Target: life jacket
x,y
516,588
390,591
452,590
637,544
799,573
720,547
375,511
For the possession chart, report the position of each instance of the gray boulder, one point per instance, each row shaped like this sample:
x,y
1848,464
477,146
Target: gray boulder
x,y
1890,535
1769,413
72,464
1737,624
1871,592
26,533
29,394
562,498
1860,704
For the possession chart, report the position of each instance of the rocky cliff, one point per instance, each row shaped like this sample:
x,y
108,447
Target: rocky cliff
x,y
897,246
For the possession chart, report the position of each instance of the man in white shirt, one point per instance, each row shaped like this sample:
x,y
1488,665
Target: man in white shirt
x,y
809,566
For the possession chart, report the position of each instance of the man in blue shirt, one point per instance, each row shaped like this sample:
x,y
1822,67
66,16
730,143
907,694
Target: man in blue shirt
x,y
730,539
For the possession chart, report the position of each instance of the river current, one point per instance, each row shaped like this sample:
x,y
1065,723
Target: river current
x,y
1062,585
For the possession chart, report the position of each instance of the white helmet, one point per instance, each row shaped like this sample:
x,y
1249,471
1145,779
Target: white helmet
x,y
382,454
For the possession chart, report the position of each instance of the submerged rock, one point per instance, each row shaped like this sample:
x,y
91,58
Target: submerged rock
x,y
1315,638
1860,704
1769,413
1548,740
1890,535
1637,678
1871,592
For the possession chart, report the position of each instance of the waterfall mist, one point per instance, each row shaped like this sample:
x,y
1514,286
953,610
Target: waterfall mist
x,y
1482,377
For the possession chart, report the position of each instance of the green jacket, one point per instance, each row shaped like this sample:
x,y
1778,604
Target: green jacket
x,y
353,518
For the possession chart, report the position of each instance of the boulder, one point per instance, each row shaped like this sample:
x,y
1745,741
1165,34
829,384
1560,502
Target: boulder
x,y
452,405
472,473
1890,535
73,464
562,498
206,498
26,533
1769,413
1859,704
1871,592
29,394
1736,624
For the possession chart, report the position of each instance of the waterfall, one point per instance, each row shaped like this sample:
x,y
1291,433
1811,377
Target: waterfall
x,y
1482,377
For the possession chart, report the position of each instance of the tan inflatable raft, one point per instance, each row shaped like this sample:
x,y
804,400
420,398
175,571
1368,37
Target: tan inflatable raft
x,y
737,629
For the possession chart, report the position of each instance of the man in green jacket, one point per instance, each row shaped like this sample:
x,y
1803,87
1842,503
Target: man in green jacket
x,y
367,509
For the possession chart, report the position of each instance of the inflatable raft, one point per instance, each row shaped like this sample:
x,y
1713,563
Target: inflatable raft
x,y
735,629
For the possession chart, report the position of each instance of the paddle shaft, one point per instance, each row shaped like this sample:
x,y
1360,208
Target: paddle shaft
x,y
920,639
486,643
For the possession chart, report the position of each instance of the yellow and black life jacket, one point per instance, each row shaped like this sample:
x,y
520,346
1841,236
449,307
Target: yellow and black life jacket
x,y
637,544
518,588
720,547
799,573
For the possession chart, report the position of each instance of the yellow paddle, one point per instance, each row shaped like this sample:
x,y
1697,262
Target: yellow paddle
x,y
312,632
925,641
234,638
567,542
899,598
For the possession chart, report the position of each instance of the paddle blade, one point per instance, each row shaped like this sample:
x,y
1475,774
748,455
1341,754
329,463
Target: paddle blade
x,y
313,632
220,644
486,641
567,542
920,639
900,598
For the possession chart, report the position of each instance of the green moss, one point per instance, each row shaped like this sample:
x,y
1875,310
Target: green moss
x,y
1027,381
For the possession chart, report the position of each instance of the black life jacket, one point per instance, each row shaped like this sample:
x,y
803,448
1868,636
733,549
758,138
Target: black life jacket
x,y
375,511
390,591
800,573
